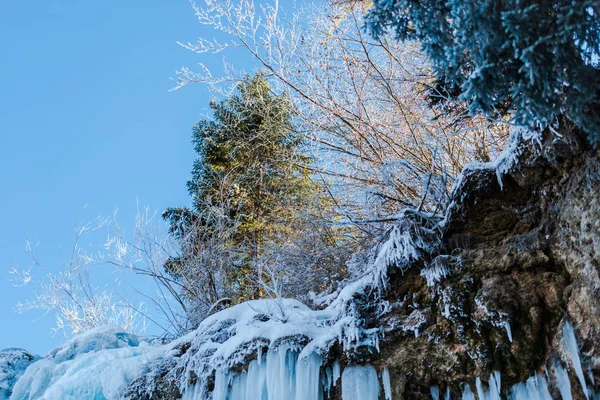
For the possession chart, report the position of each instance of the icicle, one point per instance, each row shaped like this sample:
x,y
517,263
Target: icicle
x,y
256,382
194,392
308,384
562,380
387,385
497,378
328,381
571,342
592,394
494,386
538,388
239,387
493,392
435,392
508,330
467,394
337,372
518,392
281,373
480,391
360,383
221,385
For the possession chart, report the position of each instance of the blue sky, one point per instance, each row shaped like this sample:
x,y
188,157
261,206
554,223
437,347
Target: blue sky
x,y
86,118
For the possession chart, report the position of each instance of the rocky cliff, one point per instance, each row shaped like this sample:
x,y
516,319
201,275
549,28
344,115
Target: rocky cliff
x,y
520,258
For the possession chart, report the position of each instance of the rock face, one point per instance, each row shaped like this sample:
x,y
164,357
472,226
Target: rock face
x,y
519,260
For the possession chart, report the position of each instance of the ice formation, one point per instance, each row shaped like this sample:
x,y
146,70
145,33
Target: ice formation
x,y
98,364
562,381
281,374
571,344
13,363
387,385
435,392
467,393
508,330
103,363
520,138
537,386
436,271
80,370
360,383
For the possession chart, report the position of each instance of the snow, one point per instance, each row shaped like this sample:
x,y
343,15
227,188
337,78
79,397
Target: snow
x,y
267,349
106,337
232,336
101,364
262,349
520,138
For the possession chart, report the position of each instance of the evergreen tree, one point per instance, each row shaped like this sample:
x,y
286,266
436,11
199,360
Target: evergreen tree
x,y
535,58
251,169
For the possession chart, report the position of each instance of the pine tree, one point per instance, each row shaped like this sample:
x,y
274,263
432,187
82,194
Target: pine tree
x,y
536,59
252,170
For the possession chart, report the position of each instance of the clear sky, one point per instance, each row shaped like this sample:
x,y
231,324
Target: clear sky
x,y
86,118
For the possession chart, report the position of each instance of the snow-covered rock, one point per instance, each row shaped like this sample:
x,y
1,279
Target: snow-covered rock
x,y
13,363
102,338
98,364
